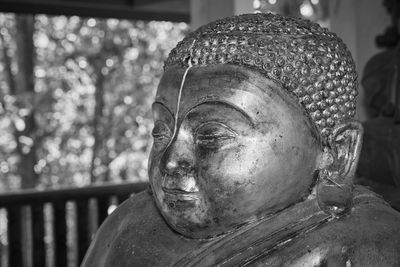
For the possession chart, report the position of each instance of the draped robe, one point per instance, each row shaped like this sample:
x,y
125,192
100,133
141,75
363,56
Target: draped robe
x,y
136,234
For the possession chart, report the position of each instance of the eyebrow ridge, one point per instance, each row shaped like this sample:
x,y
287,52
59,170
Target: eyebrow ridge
x,y
227,103
162,104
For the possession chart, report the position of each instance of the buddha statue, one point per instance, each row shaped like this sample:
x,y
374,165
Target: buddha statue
x,y
254,154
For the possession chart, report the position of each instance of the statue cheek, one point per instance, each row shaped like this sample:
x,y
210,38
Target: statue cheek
x,y
212,171
153,164
150,164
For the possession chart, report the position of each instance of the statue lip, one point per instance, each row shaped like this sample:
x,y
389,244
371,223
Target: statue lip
x,y
178,191
185,186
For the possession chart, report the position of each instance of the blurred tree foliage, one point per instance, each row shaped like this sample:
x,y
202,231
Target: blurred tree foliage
x,y
76,96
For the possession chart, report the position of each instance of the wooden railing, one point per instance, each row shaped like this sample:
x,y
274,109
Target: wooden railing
x,y
55,227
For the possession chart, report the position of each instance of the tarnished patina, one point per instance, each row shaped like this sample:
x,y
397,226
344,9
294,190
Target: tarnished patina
x,y
253,165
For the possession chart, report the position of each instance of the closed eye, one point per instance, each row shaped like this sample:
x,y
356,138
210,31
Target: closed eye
x,y
161,134
214,135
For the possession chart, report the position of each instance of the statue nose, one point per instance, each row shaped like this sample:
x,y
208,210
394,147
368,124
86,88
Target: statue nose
x,y
172,166
178,158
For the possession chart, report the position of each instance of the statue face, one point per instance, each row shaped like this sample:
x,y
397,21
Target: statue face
x,y
243,148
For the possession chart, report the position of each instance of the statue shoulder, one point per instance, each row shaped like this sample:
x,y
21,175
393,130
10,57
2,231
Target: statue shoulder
x,y
375,226
368,236
136,234
131,214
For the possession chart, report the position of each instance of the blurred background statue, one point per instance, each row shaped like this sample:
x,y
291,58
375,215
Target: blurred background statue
x,y
380,158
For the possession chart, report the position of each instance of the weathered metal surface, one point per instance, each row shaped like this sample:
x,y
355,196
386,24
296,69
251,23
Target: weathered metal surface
x,y
249,167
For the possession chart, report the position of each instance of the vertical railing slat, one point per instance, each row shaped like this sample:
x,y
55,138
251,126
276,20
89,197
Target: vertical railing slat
x,y
83,227
14,215
39,254
26,230
60,234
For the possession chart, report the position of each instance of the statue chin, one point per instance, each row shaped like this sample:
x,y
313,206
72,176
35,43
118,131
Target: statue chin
x,y
254,154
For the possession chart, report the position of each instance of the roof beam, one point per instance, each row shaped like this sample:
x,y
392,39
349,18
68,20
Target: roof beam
x,y
121,9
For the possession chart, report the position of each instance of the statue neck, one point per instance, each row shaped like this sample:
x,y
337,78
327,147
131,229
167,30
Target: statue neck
x,y
260,238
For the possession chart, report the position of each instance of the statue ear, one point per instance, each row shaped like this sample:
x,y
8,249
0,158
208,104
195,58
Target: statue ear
x,y
335,185
345,146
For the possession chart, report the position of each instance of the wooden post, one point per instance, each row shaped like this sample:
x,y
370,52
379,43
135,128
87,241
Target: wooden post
x,y
205,11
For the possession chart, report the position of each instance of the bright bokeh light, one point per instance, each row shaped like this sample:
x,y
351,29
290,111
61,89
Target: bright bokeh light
x,y
91,22
306,9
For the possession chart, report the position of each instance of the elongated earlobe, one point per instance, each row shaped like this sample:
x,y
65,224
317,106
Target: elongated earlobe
x,y
335,185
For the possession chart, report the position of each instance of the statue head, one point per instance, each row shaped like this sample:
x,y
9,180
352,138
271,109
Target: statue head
x,y
253,113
